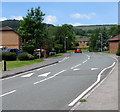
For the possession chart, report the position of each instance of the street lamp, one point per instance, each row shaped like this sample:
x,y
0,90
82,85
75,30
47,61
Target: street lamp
x,y
101,40
65,45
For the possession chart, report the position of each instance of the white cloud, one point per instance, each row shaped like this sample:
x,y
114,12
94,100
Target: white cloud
x,y
50,19
76,24
83,16
3,18
12,17
16,17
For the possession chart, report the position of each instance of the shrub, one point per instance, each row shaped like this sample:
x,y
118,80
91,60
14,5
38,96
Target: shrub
x,y
25,56
9,56
29,49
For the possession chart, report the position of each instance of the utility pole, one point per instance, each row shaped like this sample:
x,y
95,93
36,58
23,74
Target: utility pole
x,y
101,40
65,45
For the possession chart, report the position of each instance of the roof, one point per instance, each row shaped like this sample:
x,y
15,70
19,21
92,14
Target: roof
x,y
7,28
83,39
116,38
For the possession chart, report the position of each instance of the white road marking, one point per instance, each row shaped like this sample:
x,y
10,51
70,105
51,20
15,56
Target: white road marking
x,y
94,68
45,67
76,69
85,61
64,59
87,95
76,66
50,77
7,93
82,62
44,75
28,75
27,72
94,84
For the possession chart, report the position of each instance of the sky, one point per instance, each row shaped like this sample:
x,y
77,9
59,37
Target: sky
x,y
59,13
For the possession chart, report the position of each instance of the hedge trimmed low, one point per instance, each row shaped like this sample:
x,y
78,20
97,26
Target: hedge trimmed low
x,y
9,56
25,56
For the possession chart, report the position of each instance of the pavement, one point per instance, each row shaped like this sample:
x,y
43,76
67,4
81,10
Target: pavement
x,y
47,62
104,96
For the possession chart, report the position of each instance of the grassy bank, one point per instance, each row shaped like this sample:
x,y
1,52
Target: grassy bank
x,y
16,64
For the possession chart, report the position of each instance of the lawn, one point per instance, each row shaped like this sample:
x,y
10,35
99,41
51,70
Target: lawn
x,y
16,64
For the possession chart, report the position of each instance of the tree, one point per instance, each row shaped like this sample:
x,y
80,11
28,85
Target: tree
x,y
32,28
64,35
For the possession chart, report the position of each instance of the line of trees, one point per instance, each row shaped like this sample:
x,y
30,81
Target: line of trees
x,y
37,34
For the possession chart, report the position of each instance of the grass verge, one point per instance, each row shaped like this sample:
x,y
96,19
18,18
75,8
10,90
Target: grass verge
x,y
56,55
16,64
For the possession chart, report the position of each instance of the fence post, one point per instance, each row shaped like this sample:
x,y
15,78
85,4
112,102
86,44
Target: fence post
x,y
4,65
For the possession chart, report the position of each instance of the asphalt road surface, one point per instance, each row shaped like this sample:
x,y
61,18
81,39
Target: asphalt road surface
x,y
58,86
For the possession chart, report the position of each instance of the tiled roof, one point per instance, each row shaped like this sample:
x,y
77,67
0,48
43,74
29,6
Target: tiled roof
x,y
116,38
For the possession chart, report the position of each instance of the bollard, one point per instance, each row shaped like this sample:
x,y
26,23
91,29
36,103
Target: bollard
x,y
4,65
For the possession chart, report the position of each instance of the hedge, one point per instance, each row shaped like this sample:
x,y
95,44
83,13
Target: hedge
x,y
25,56
9,56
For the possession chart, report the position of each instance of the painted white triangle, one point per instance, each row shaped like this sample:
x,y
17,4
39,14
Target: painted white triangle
x,y
28,75
94,68
44,75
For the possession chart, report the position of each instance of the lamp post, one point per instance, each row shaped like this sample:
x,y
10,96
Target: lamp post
x,y
101,40
65,44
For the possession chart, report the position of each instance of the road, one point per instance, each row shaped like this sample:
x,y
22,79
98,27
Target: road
x,y
58,86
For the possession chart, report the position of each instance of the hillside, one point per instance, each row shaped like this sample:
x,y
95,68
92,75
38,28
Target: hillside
x,y
92,27
15,24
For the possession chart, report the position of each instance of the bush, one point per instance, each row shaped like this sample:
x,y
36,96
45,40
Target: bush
x,y
9,56
29,49
25,56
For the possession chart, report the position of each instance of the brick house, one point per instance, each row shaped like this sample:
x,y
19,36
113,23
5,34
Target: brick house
x,y
83,42
9,38
114,43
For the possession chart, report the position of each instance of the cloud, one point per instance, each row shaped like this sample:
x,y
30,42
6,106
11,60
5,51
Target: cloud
x,y
83,16
3,18
76,24
50,19
11,17
16,17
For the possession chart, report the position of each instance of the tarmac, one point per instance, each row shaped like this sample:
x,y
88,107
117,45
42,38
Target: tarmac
x,y
104,97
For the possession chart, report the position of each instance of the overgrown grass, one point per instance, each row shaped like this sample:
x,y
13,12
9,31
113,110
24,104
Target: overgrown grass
x,y
16,64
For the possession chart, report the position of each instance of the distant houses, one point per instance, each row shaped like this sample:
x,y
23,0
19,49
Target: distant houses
x,y
83,42
114,43
9,38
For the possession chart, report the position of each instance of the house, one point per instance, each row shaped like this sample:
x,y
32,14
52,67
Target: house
x,y
114,43
9,38
83,42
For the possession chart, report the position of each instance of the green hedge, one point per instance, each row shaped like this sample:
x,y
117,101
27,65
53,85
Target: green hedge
x,y
25,56
29,49
9,56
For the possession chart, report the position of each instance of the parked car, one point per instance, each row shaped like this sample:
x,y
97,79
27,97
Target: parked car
x,y
12,50
52,53
78,51
39,54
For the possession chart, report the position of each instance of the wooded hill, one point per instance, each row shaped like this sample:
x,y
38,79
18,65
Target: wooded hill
x,y
16,23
